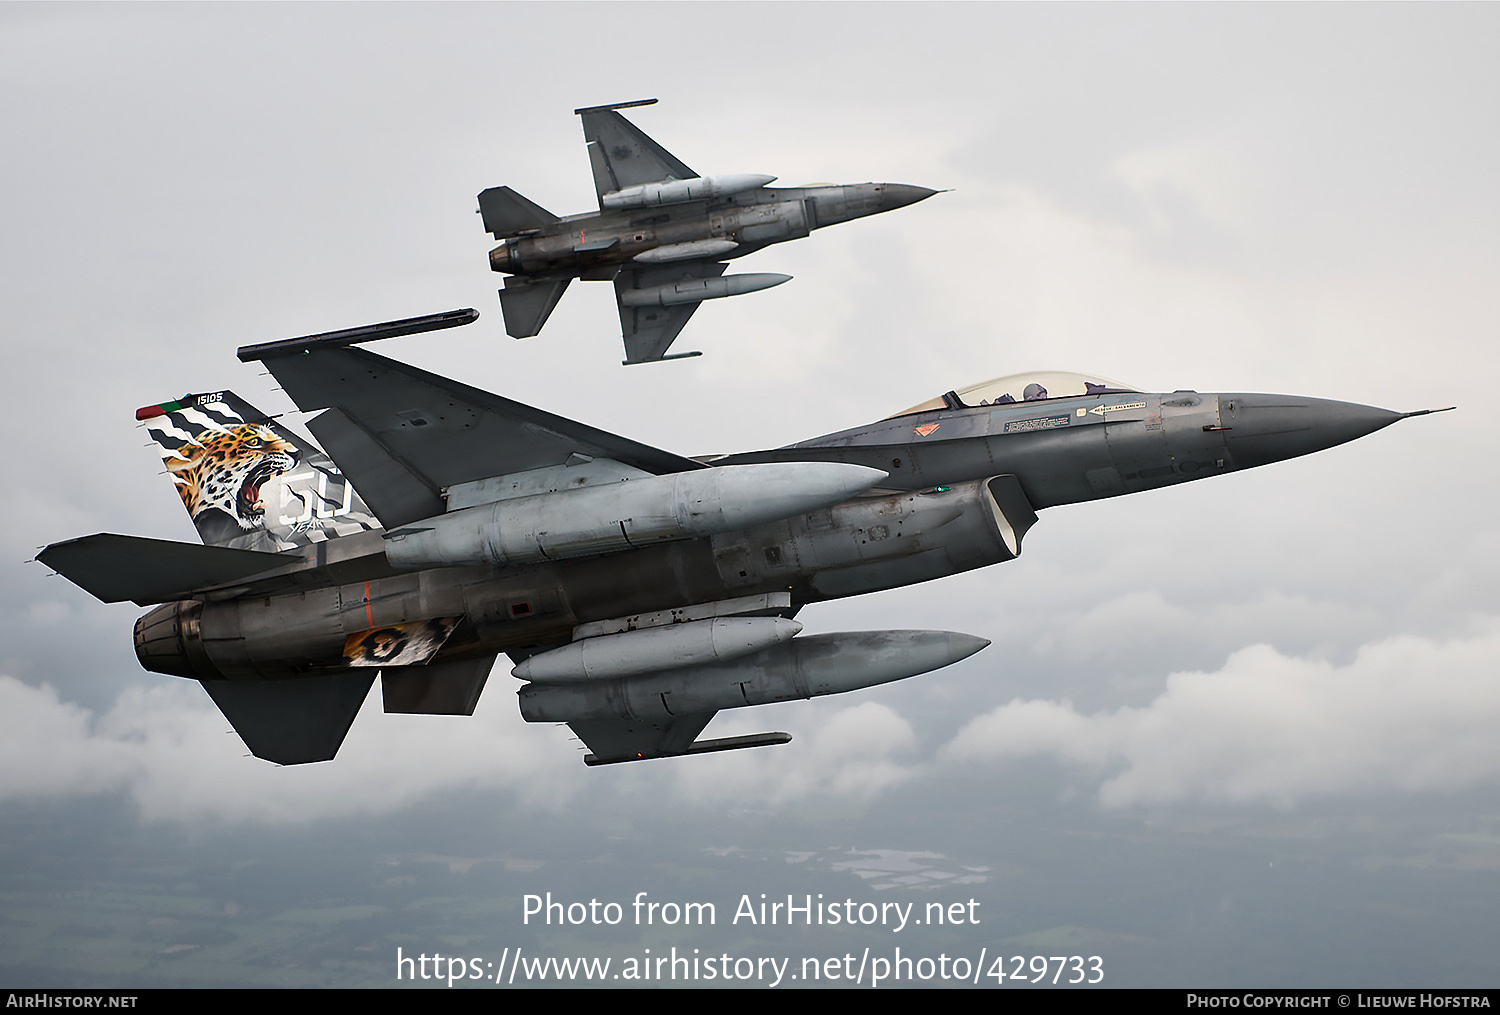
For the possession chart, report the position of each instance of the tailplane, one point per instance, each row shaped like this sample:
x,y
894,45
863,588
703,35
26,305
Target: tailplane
x,y
506,213
246,481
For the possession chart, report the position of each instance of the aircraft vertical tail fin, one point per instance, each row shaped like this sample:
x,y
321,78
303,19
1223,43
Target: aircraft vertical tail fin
x,y
245,480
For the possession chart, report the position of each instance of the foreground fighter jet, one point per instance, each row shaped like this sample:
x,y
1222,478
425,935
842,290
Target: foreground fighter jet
x,y
661,234
636,591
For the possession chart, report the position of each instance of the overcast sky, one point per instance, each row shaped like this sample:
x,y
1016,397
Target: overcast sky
x,y
1299,660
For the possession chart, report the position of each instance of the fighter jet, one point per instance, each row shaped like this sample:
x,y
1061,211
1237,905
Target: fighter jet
x,y
637,592
662,234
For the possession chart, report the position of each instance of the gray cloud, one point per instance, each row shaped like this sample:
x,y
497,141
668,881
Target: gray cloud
x,y
1407,714
1271,198
176,758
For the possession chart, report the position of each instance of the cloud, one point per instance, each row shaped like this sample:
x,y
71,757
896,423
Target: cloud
x,y
1406,715
47,747
851,754
167,749
170,751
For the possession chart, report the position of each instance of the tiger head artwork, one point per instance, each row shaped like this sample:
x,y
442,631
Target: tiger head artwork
x,y
224,470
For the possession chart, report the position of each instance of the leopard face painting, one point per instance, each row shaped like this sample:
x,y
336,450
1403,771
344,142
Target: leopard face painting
x,y
225,469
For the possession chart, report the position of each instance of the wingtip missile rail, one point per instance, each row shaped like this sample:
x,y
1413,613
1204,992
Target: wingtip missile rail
x,y
360,335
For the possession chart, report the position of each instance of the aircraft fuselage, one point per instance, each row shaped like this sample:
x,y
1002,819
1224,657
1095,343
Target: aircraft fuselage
x,y
717,229
963,485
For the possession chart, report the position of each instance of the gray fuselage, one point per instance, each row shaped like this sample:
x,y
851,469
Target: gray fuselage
x,y
752,219
963,484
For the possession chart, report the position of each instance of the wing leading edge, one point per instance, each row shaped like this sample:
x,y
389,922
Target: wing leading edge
x,y
621,154
402,435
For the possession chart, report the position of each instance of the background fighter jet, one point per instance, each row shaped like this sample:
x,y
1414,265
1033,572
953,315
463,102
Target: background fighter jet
x,y
637,592
661,234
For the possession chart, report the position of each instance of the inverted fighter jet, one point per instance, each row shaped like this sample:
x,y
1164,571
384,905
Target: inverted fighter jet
x,y
662,234
636,592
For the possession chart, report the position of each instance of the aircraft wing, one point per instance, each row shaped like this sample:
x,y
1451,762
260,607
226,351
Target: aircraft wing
x,y
402,435
622,155
650,331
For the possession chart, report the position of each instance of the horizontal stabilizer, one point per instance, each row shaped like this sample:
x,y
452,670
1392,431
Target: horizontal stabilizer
x,y
294,721
527,305
451,687
114,568
507,213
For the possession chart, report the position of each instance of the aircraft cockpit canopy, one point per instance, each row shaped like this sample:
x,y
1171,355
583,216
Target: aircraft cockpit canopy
x,y
1035,386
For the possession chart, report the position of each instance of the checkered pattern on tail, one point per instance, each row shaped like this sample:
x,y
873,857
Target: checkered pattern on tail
x,y
247,482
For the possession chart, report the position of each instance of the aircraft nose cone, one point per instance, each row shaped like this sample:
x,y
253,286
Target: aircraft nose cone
x,y
1269,428
899,195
